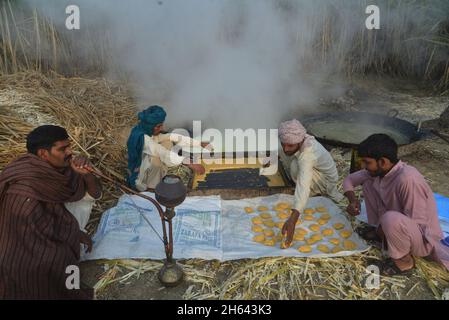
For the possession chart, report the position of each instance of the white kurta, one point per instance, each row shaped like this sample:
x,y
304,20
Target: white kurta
x,y
81,209
157,157
314,172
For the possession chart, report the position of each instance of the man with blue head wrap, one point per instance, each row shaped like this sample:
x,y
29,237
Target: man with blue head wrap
x,y
149,150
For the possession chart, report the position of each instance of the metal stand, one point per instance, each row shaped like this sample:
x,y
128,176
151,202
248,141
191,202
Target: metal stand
x,y
171,274
170,193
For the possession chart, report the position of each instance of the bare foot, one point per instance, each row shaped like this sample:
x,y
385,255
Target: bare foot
x,y
404,263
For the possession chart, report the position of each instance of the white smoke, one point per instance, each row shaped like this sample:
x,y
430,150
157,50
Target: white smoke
x,y
230,63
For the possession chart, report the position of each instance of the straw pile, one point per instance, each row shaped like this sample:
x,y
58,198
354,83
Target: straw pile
x,y
287,278
98,115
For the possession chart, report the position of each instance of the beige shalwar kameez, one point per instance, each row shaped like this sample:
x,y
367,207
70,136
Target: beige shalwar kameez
x,y
314,172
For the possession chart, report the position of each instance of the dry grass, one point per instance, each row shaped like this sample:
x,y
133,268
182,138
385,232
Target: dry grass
x,y
286,279
96,113
31,41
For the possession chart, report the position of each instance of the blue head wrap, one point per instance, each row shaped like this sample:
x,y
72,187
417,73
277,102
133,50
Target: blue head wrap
x,y
148,119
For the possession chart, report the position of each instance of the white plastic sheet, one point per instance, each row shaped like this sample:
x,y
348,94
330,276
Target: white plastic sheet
x,y
123,233
237,233
204,227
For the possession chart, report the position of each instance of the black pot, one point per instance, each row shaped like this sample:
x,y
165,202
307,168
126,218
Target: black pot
x,y
170,192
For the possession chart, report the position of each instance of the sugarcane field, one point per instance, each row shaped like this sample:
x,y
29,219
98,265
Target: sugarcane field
x,y
224,150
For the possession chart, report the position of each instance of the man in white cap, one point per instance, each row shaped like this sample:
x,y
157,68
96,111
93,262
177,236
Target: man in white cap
x,y
310,166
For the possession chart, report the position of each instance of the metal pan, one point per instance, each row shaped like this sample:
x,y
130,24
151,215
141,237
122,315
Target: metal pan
x,y
349,129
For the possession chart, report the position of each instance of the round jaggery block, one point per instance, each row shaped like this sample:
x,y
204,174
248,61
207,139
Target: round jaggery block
x,y
265,215
323,248
282,215
280,224
283,205
337,249
249,210
308,217
311,241
259,238
257,220
321,222
268,233
338,226
309,211
269,223
316,237
270,242
325,216
305,249
301,231
349,245
345,233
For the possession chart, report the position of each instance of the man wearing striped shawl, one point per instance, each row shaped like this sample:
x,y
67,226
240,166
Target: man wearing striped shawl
x,y
39,237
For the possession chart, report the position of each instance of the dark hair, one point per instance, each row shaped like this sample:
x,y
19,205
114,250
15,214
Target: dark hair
x,y
378,146
44,137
